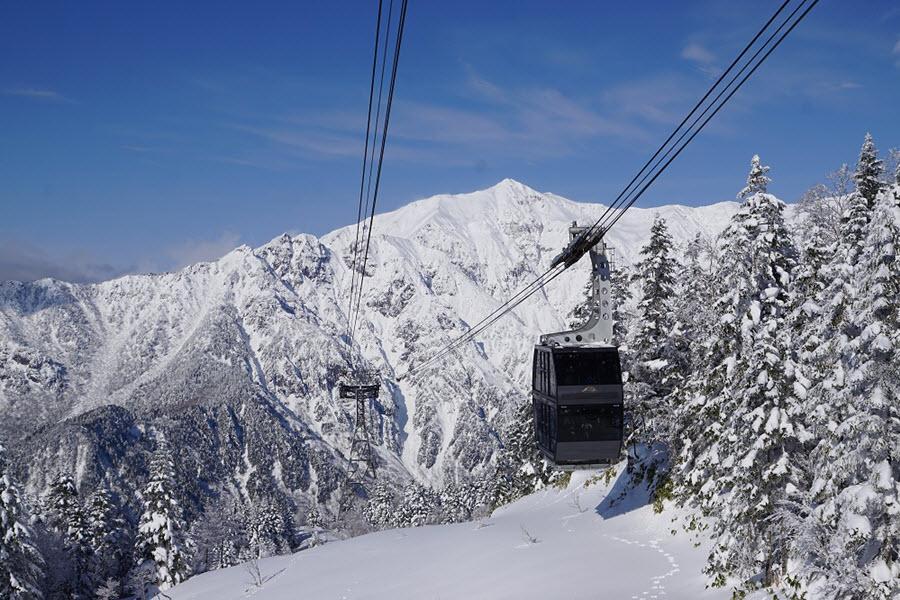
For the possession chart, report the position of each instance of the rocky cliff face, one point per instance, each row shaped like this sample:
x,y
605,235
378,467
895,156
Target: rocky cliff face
x,y
235,362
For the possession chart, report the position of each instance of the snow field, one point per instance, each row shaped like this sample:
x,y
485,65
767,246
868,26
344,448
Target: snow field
x,y
573,543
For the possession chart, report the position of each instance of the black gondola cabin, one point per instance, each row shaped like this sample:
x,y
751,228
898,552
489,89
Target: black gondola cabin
x,y
577,397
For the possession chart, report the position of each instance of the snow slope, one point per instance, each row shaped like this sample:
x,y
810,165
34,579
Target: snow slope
x,y
588,547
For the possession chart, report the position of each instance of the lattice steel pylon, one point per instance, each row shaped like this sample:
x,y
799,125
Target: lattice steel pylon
x,y
361,460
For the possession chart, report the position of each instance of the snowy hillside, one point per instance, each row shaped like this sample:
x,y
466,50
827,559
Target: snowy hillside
x,y
235,361
574,543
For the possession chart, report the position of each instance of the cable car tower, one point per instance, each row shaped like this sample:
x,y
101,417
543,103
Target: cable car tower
x,y
361,460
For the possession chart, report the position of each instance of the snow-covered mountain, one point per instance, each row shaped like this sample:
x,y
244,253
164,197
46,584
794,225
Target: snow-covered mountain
x,y
235,361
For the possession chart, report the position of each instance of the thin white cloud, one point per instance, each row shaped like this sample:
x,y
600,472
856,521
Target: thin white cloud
x,y
329,144
191,252
697,53
524,123
41,94
22,261
658,99
897,48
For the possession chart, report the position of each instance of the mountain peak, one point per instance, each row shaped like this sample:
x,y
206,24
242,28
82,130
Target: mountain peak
x,y
511,185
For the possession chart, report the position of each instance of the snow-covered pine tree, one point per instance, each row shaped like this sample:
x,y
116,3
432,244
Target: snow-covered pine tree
x,y
379,510
658,360
522,469
108,537
857,479
418,506
741,428
692,305
314,524
757,180
160,534
765,421
111,589
266,530
21,565
868,171
824,338
705,399
65,515
806,312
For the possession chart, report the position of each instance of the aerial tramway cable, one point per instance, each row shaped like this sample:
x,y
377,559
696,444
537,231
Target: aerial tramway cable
x,y
362,179
626,199
366,222
357,282
615,217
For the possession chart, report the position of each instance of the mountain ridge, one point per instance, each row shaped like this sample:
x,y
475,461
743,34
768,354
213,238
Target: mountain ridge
x,y
242,355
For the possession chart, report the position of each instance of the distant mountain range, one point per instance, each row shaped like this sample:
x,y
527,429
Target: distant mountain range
x,y
235,362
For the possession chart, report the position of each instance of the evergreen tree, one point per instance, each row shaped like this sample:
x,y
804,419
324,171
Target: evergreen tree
x,y
66,516
868,171
741,426
314,523
267,530
705,400
418,506
762,456
757,181
110,589
857,480
658,357
809,351
380,511
107,530
160,530
522,469
21,565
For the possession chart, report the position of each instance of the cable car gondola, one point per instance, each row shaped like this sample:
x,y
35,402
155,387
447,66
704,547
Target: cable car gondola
x,y
577,390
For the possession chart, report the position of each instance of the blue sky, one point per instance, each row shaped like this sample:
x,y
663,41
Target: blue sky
x,y
139,137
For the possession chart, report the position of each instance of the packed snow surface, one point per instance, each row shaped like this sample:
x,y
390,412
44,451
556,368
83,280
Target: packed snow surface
x,y
569,543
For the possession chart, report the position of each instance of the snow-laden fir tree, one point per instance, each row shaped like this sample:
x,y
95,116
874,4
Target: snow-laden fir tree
x,y
868,171
21,565
522,468
658,359
741,427
825,337
218,535
267,530
111,589
160,535
757,181
705,399
760,458
691,306
108,537
65,515
857,478
314,524
379,510
809,351
418,506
